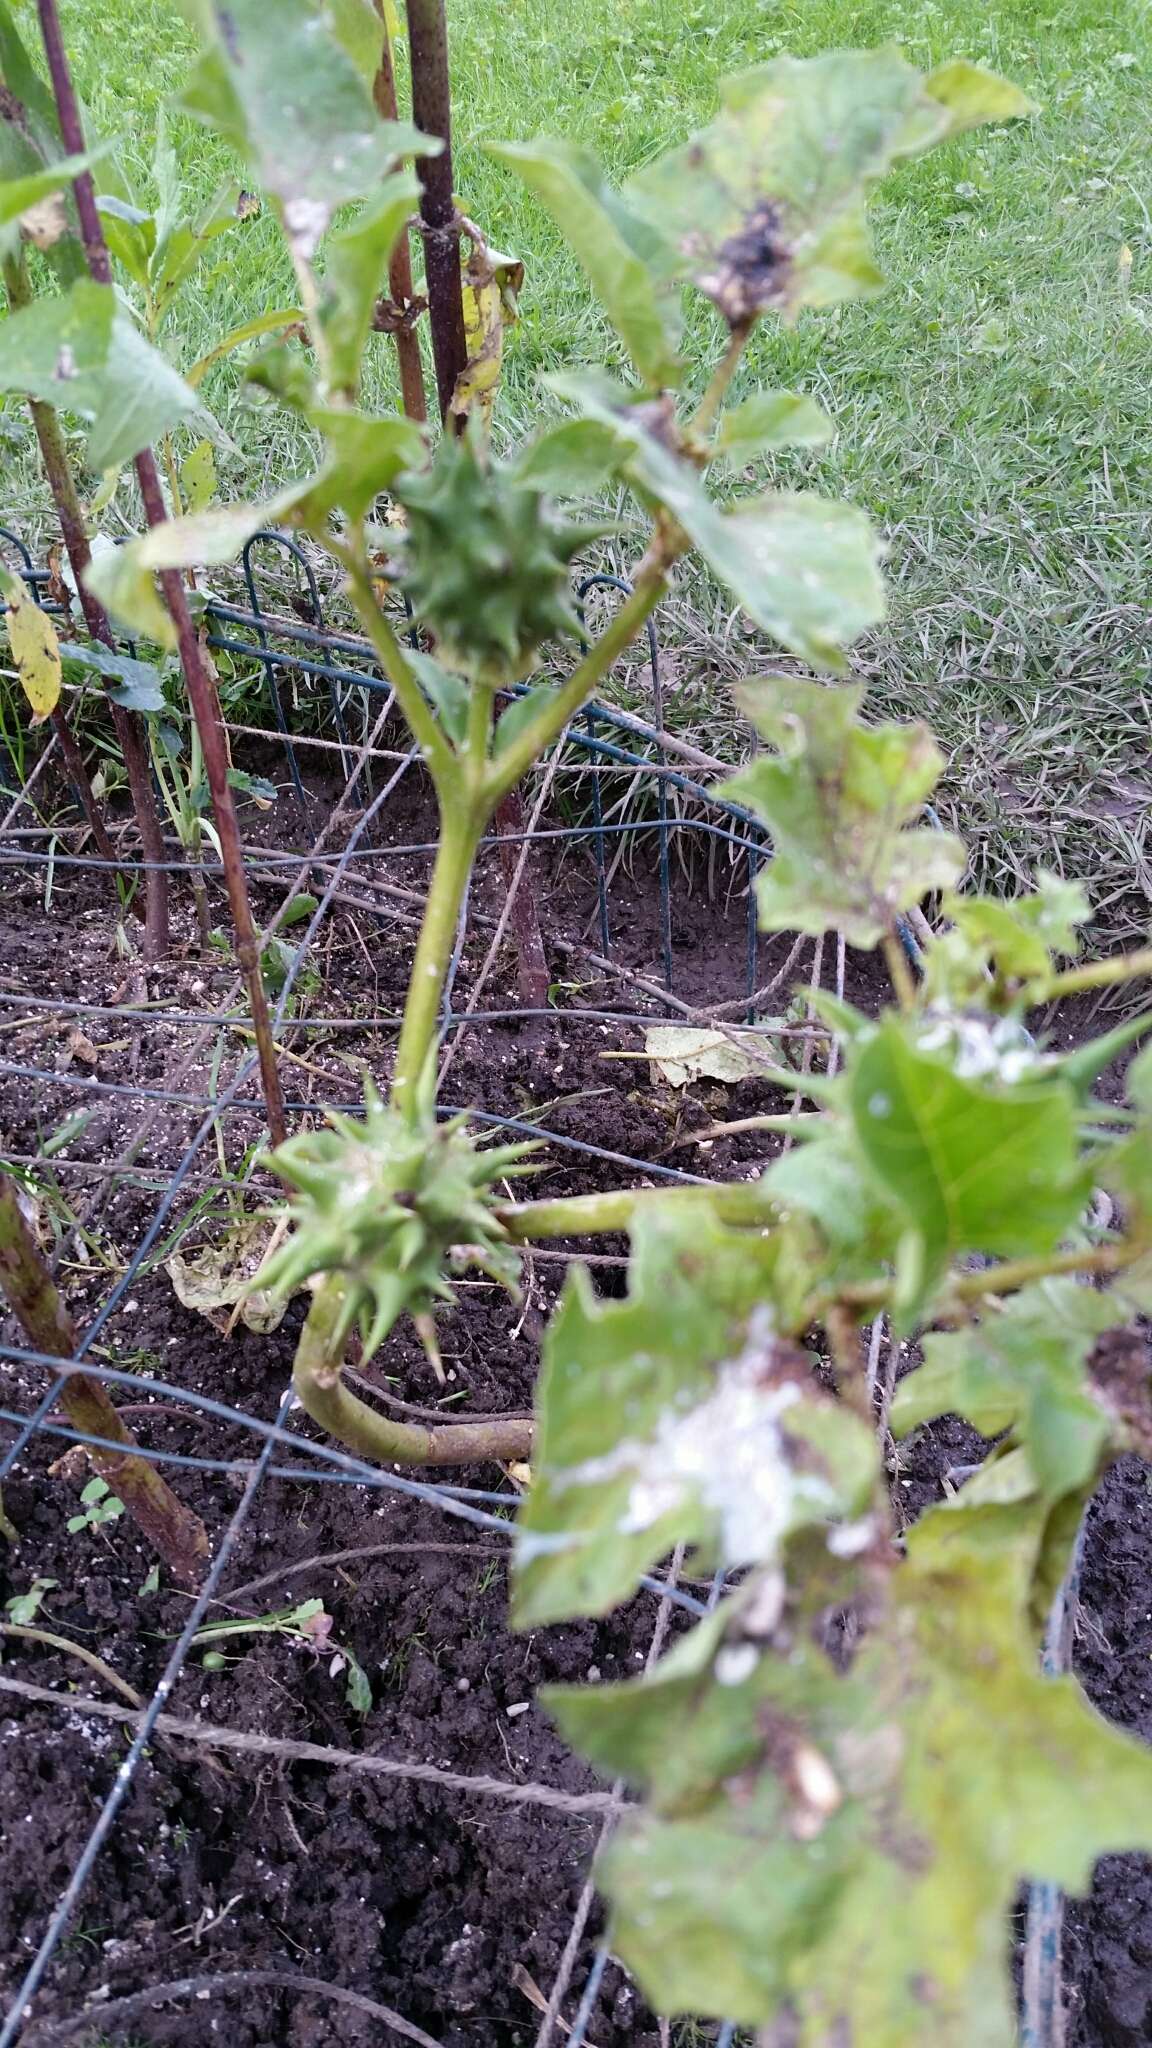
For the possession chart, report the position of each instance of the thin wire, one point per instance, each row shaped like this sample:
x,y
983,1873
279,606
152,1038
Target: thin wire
x,y
34,1976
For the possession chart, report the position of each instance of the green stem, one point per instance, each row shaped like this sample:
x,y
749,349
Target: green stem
x,y
717,391
320,1390
428,736
992,1281
737,1201
1098,974
459,837
535,739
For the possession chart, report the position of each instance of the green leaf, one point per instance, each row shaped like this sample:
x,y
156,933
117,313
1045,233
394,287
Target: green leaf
x,y
198,477
766,206
300,908
976,1165
519,715
22,79
359,30
35,647
136,685
356,272
828,1180
131,236
26,196
572,458
769,420
1023,1369
1018,938
973,97
365,455
81,352
24,1607
838,796
804,568
683,1413
358,1689
248,330
448,694
789,1811
280,88
614,249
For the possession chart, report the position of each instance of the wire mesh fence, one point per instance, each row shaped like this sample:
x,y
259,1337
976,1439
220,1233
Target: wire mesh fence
x,y
162,1120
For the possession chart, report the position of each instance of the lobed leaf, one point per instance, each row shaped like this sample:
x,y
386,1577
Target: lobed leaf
x,y
683,1413
766,206
798,1799
804,568
837,797
983,1165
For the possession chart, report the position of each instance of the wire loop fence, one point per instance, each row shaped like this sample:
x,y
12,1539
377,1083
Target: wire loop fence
x,y
622,785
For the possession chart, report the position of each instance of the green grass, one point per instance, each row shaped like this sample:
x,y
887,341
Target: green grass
x,y
993,408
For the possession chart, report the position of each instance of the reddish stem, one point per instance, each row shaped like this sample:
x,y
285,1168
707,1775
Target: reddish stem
x,y
200,685
432,112
28,1286
400,268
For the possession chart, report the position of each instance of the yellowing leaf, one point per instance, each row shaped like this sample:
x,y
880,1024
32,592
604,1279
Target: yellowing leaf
x,y
198,477
491,283
35,648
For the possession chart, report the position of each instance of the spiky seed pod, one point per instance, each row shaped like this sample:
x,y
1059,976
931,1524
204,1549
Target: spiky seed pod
x,y
485,566
384,1203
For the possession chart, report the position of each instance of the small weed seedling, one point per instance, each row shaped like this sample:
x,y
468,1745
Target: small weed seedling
x,y
307,1623
100,1506
23,1608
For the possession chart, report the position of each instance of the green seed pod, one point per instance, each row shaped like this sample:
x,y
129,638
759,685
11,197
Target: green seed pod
x,y
485,566
385,1203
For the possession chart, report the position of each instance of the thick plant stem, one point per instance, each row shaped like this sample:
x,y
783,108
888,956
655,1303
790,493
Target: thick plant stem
x,y
31,1292
738,1201
205,704
518,757
400,267
1099,974
459,837
129,731
318,1386
200,686
432,112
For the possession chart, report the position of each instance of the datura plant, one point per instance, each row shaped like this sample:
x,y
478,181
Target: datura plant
x,y
851,1763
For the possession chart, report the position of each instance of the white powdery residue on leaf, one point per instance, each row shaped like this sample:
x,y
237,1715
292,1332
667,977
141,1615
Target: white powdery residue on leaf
x,y
304,223
982,1048
728,1452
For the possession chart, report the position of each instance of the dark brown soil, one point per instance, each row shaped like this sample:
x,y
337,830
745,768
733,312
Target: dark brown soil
x,y
437,1904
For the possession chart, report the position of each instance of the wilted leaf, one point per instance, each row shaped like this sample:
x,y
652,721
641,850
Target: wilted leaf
x,y
804,568
684,1412
35,647
837,796
283,91
81,352
213,1281
976,1166
620,254
489,289
769,420
798,1800
684,1052
23,201
767,204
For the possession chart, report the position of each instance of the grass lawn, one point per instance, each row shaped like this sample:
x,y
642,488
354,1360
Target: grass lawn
x,y
993,409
